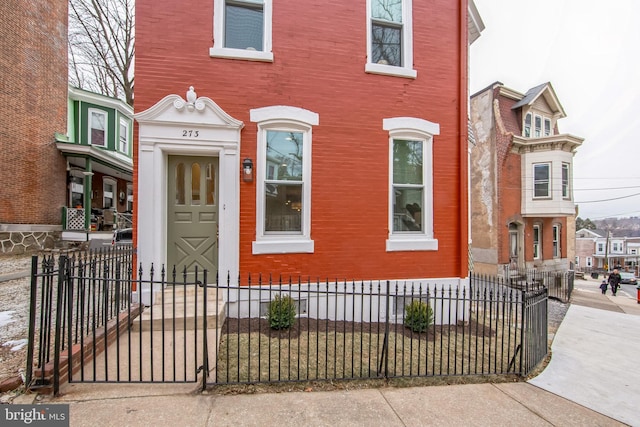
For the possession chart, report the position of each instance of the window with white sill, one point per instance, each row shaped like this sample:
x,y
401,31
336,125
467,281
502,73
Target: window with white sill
x,y
566,193
556,241
537,238
527,125
97,127
123,137
242,29
389,38
411,183
541,180
108,192
283,179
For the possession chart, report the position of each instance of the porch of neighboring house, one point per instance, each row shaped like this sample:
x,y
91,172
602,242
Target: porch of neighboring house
x,y
101,225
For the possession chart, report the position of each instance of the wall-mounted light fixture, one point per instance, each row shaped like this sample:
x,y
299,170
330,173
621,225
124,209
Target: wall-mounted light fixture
x,y
247,170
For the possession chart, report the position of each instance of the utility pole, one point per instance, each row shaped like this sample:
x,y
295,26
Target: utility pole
x,y
606,254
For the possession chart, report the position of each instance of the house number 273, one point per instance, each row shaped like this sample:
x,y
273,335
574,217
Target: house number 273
x,y
190,133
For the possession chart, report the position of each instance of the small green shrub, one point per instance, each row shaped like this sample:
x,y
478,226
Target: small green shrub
x,y
282,312
419,316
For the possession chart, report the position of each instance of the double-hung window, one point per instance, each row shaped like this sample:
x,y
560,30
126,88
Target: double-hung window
x,y
556,241
547,127
536,241
389,38
538,127
541,180
410,183
527,125
97,127
108,193
283,171
242,29
565,181
124,136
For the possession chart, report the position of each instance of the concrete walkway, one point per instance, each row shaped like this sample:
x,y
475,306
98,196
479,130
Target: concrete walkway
x,y
592,380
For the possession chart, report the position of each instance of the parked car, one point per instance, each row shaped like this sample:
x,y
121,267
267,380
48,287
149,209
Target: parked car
x,y
122,237
628,278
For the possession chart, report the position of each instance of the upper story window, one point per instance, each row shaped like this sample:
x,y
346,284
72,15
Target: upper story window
x,y
283,171
537,132
97,127
411,183
600,248
242,29
124,136
389,38
541,179
536,241
565,181
527,125
547,127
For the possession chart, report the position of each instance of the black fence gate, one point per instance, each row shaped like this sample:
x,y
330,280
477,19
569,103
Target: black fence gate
x,y
86,326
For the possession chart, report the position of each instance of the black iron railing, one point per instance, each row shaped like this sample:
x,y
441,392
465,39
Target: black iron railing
x,y
359,330
95,319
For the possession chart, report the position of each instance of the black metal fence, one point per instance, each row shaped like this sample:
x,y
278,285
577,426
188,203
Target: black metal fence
x,y
558,283
94,319
359,330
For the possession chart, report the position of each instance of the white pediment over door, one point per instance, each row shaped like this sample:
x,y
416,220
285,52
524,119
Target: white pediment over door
x,y
173,109
189,126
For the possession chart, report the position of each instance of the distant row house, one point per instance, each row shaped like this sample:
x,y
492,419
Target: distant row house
x,y
600,250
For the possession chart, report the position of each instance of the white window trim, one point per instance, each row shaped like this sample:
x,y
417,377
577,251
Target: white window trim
x,y
557,250
568,195
283,118
548,196
124,122
219,51
406,70
589,262
537,116
90,111
524,125
538,243
114,194
420,129
546,120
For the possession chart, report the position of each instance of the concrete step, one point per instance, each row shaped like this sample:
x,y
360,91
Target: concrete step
x,y
180,309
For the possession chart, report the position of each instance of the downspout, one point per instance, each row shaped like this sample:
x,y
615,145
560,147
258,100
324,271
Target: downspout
x,y
463,129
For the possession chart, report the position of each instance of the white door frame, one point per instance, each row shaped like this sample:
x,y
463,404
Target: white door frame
x,y
195,127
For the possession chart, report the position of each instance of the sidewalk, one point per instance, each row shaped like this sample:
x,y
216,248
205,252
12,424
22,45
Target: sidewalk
x,y
591,380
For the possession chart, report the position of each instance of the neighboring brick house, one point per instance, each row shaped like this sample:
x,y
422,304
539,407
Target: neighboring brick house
x,y
523,213
586,249
33,95
322,140
99,153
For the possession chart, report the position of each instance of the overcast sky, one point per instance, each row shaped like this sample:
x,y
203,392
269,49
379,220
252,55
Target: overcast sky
x,y
590,52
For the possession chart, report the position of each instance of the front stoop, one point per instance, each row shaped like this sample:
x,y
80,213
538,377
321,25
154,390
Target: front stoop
x,y
177,308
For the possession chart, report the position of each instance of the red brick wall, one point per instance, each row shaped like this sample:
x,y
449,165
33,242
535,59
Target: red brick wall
x,y
33,82
320,54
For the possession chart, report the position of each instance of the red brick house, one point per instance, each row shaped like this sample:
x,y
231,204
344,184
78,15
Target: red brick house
x,y
523,213
304,138
33,66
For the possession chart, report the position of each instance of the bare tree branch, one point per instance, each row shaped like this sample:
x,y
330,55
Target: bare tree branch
x,y
101,46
